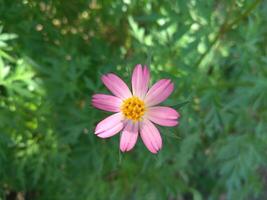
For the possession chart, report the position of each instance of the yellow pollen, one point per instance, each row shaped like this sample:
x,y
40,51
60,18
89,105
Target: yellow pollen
x,y
133,108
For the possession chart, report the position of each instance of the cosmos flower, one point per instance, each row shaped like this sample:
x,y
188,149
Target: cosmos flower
x,y
136,111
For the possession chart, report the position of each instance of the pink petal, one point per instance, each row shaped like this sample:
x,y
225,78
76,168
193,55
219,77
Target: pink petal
x,y
129,136
140,81
116,86
150,136
159,92
164,116
106,102
109,126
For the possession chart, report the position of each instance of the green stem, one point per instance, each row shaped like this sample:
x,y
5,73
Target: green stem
x,y
6,56
226,27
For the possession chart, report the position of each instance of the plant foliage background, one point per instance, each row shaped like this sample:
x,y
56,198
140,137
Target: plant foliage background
x,y
52,54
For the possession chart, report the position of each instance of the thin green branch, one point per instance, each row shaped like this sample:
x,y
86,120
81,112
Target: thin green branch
x,y
226,27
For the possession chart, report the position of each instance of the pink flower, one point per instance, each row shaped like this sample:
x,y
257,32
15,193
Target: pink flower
x,y
136,111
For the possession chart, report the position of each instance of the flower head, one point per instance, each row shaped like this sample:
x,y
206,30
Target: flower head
x,y
136,110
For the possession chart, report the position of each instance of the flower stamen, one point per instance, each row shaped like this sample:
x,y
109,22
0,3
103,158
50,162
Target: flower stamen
x,y
133,108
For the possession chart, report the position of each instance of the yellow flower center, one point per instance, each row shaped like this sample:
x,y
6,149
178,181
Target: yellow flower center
x,y
133,108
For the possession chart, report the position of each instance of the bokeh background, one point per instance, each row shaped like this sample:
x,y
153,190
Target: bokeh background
x,y
52,55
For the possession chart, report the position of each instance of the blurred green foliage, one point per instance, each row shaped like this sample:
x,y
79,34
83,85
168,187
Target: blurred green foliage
x,y
52,54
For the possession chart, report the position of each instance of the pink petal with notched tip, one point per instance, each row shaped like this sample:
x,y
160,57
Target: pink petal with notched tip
x,y
129,136
159,92
140,81
164,116
116,86
109,126
150,136
106,102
